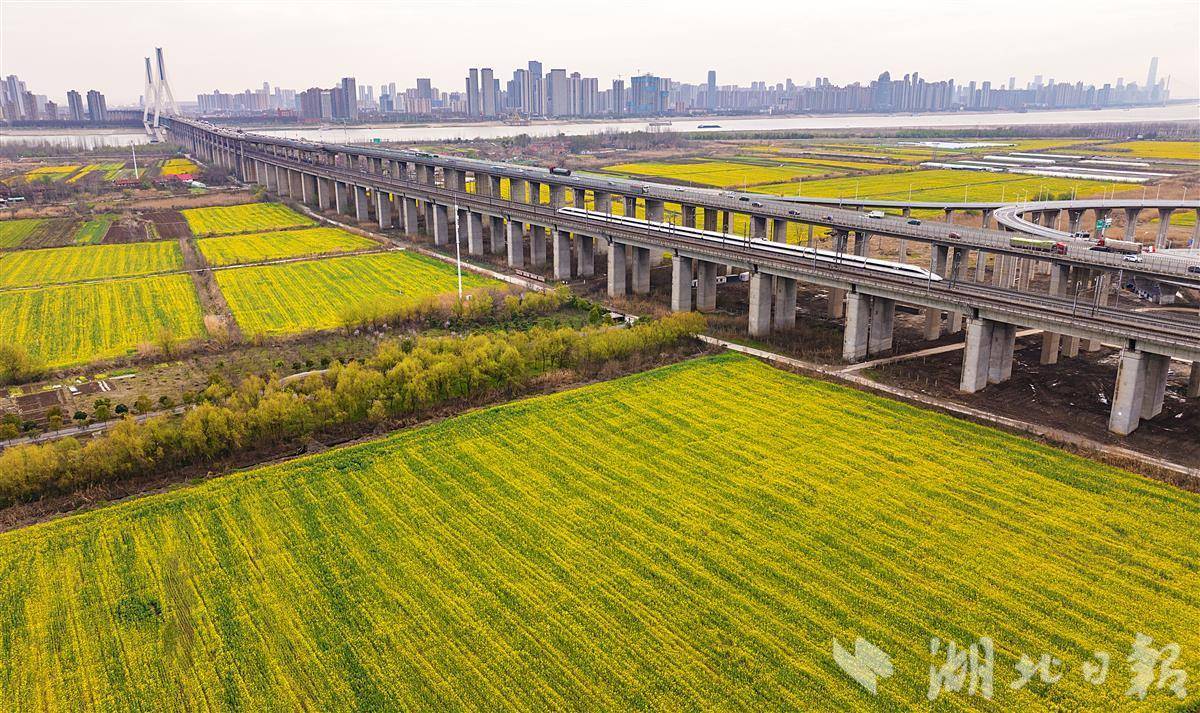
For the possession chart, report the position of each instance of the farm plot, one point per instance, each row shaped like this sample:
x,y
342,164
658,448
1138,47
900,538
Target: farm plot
x,y
723,174
14,232
49,233
50,173
73,324
257,247
93,231
619,546
247,218
169,224
1164,150
178,167
26,268
301,296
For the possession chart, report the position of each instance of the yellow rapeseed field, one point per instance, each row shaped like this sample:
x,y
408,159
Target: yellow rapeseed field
x,y
24,268
691,538
246,218
256,247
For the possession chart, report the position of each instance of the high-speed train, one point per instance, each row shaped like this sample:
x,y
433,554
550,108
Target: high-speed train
x,y
766,246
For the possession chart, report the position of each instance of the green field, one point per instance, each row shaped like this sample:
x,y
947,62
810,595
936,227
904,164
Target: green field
x,y
80,323
93,231
300,296
14,232
943,185
622,546
723,174
26,268
256,247
247,218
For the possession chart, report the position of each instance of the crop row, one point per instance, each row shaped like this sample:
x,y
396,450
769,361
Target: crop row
x,y
246,218
26,268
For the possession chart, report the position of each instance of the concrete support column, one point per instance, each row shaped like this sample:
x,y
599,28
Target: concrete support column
x,y
383,210
427,208
601,202
474,233
681,284
706,288
585,255
517,190
1164,224
933,316
785,303
1074,218
1130,393
441,225
710,219
1157,370
727,226
883,316
516,244
295,185
558,196
408,215
537,246
616,270
341,199
362,212
641,271
1193,387
758,227
837,303
987,218
654,211
631,206
324,194
308,189
1051,342
855,341
902,251
976,355
689,215
282,182
494,190
562,254
535,193
496,237
779,228
270,178
1131,215
760,304
1000,358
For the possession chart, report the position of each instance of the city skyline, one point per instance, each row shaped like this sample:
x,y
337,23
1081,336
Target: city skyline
x,y
584,39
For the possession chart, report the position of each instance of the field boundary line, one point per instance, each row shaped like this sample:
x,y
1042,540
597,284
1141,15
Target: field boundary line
x,y
1050,434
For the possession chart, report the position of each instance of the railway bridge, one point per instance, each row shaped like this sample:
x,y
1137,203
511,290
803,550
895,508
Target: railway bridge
x,y
421,192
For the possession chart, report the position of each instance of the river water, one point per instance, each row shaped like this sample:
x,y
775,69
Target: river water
x,y
437,132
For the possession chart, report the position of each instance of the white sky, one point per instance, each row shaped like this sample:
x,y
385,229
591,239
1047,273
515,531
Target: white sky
x,y
58,45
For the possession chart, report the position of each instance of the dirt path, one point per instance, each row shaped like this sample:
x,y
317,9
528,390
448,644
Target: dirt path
x,y
212,301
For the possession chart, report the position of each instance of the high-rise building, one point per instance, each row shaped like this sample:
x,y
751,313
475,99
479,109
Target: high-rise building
x,y
424,89
710,97
1152,75
97,111
74,106
350,97
537,90
487,87
558,93
310,103
589,96
519,95
473,107
618,96
646,95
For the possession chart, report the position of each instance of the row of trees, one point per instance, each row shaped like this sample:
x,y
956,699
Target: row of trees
x,y
479,306
405,377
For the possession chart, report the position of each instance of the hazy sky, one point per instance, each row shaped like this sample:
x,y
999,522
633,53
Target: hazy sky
x,y
55,46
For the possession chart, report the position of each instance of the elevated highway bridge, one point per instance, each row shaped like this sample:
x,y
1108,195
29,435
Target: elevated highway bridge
x,y
421,192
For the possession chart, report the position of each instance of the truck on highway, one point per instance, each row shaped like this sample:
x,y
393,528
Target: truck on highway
x,y
1039,246
1109,245
875,214
560,171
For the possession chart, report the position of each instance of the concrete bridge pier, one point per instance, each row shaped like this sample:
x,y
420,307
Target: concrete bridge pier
x,y
933,316
1074,218
987,355
760,304
496,234
1141,386
537,245
710,219
688,215
1131,215
585,255
883,318
902,250
408,215
441,225
296,185
1164,224
282,182
517,190
361,211
383,210
681,284
758,227
779,228
601,202
427,209
654,211
558,196
270,177
535,193
1051,342
324,194
855,339
341,198
474,233
616,269
516,244
641,271
562,254
1193,387
630,207
706,288
785,303
986,221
